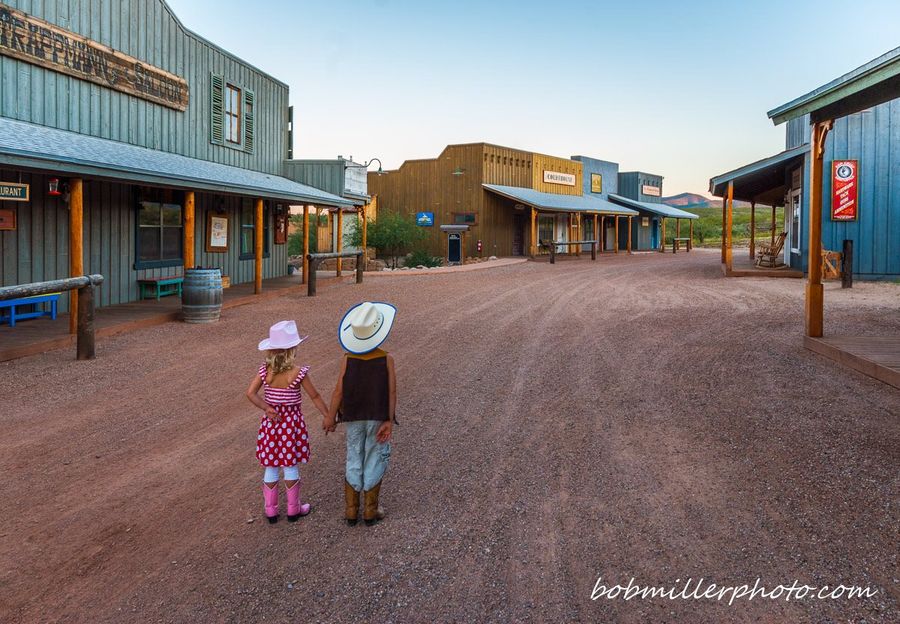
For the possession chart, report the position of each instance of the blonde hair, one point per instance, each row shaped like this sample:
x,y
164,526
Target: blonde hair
x,y
280,360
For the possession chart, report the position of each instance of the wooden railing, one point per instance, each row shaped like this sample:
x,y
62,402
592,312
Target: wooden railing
x,y
84,349
552,247
313,264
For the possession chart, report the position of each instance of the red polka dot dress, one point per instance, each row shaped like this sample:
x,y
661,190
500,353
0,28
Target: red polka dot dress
x,y
286,442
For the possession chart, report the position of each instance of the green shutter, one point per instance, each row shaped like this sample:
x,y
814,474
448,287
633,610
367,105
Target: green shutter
x,y
248,121
217,110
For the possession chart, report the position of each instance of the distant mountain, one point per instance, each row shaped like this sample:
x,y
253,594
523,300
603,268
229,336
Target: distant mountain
x,y
693,200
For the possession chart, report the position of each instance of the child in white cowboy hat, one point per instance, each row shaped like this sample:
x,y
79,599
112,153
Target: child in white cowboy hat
x,y
365,399
282,441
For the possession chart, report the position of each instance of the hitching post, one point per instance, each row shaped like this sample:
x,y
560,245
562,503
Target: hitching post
x,y
84,349
360,266
847,265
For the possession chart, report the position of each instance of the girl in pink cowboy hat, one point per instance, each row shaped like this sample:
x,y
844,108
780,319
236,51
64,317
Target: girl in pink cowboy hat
x,y
282,441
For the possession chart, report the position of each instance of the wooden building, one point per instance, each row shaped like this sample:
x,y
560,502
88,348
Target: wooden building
x,y
859,184
138,148
511,199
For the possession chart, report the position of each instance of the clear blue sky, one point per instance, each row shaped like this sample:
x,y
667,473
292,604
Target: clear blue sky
x,y
675,88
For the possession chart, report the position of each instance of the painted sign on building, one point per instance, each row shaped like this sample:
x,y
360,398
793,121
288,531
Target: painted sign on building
x,y
555,177
355,179
653,191
844,190
35,41
12,191
425,219
596,183
7,219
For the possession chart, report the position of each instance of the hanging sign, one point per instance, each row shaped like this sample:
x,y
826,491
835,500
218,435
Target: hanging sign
x,y
35,41
12,191
844,190
555,177
425,219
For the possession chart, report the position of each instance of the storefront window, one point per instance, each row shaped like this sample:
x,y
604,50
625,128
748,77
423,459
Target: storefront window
x,y
464,218
248,230
159,235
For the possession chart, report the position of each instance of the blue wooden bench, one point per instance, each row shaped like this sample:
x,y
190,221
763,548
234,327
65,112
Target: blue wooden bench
x,y
161,286
15,315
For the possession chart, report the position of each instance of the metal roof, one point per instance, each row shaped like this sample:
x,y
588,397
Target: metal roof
x,y
29,145
660,209
558,203
871,84
764,177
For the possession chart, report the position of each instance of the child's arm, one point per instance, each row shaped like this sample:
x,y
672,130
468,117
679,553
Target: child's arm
x,y
384,431
337,397
253,396
315,396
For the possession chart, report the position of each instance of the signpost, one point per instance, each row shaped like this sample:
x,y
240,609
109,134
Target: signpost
x,y
844,190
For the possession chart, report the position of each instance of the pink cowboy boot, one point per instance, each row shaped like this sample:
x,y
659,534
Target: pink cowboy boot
x,y
270,496
294,508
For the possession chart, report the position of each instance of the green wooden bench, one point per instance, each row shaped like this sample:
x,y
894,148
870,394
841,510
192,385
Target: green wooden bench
x,y
160,286
15,315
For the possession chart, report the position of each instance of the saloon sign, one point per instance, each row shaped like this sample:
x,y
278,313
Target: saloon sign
x,y
35,41
844,190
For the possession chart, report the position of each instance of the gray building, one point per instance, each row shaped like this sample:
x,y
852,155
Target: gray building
x,y
155,146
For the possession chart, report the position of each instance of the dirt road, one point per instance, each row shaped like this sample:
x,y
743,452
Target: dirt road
x,y
634,417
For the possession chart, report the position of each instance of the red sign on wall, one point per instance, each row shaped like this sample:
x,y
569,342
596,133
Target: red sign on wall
x,y
844,190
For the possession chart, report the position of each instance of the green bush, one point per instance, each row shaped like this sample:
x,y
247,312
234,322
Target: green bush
x,y
422,257
392,234
295,240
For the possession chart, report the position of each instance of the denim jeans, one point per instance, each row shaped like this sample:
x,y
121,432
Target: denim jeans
x,y
367,459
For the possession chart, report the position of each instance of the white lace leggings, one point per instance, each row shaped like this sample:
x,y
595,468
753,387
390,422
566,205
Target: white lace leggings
x,y
291,473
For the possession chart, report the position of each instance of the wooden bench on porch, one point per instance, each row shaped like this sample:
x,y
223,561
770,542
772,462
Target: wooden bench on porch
x,y
160,286
677,242
14,315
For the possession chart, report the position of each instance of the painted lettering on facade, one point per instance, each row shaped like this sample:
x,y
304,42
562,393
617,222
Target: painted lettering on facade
x,y
555,177
35,41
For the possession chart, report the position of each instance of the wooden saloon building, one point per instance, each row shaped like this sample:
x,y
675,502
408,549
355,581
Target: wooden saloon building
x,y
133,148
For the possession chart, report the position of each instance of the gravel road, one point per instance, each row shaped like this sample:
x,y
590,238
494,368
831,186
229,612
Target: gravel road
x,y
632,417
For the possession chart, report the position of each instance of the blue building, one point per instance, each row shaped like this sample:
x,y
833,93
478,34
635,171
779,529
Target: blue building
x,y
861,149
134,148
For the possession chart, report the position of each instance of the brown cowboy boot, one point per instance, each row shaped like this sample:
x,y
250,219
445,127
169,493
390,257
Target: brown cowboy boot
x,y
351,497
372,512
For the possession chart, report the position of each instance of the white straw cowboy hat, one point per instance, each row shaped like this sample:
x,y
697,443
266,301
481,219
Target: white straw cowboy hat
x,y
365,326
282,335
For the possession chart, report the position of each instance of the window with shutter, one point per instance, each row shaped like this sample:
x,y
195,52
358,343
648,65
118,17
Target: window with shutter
x,y
217,110
248,121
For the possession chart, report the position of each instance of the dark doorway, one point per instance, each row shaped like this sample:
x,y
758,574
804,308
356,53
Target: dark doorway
x,y
454,248
518,242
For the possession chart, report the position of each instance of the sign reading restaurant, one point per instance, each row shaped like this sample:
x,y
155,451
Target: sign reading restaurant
x,y
555,177
12,191
35,41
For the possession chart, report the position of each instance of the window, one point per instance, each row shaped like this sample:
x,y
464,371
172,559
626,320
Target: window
x,y
159,235
248,230
464,218
795,221
232,114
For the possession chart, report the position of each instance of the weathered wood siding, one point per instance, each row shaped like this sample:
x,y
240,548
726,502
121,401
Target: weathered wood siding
x,y
327,175
559,165
148,31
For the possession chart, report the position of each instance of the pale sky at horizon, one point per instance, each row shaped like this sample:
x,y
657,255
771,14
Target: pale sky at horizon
x,y
677,89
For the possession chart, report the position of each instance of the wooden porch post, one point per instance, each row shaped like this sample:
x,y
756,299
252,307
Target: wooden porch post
x,y
677,228
363,216
752,230
724,208
305,242
189,229
728,224
773,223
577,232
691,235
602,237
76,245
616,245
815,296
629,234
339,243
534,241
662,241
258,248
596,233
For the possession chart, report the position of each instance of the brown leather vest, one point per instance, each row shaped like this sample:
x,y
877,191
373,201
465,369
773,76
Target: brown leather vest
x,y
365,388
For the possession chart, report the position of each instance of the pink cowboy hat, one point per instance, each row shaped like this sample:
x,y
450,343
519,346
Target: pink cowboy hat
x,y
282,335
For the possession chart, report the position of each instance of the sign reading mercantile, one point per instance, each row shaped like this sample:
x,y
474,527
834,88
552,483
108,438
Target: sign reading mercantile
x,y
35,41
12,191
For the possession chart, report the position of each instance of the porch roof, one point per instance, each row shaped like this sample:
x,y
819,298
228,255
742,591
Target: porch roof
x,y
868,85
559,203
762,181
29,145
660,209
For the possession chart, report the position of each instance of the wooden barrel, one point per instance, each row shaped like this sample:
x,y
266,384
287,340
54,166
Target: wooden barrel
x,y
201,295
